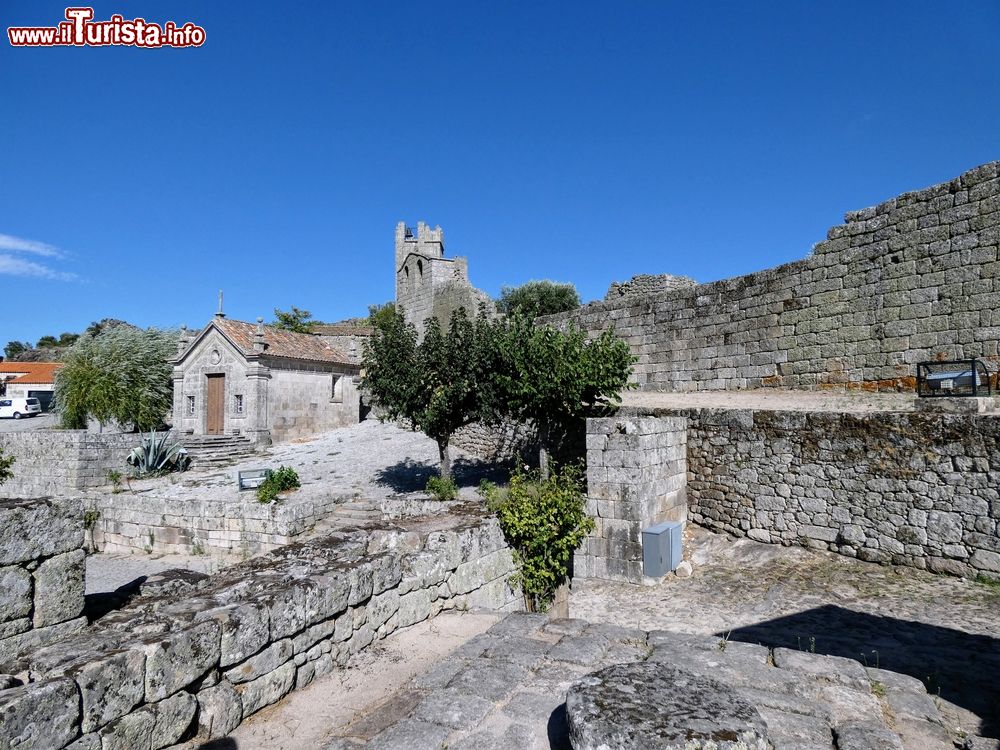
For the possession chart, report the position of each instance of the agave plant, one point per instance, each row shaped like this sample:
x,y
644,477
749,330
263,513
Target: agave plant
x,y
155,455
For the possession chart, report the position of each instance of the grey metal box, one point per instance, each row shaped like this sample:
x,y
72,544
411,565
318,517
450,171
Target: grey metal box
x,y
661,548
251,479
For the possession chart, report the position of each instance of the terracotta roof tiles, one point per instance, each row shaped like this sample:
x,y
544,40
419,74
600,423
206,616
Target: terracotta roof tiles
x,y
281,343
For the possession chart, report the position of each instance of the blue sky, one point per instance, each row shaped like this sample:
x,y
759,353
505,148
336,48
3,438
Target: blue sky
x,y
581,142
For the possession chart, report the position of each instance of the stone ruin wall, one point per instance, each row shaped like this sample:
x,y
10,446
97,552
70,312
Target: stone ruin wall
x,y
645,284
196,659
906,489
41,574
56,462
908,280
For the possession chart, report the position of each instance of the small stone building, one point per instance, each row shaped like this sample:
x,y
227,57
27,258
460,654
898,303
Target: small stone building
x,y
239,378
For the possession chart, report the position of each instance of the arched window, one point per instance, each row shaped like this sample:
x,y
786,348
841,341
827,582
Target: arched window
x,y
420,267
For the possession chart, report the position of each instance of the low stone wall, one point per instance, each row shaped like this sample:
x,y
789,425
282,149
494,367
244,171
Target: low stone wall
x,y
41,573
144,522
907,489
57,462
199,659
506,442
636,475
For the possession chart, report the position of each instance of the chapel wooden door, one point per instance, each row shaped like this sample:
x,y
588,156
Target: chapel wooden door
x,y
215,405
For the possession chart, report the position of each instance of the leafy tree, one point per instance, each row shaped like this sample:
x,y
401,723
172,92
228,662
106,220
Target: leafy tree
x,y
47,342
554,378
67,339
538,298
15,348
380,313
438,385
122,375
295,320
6,462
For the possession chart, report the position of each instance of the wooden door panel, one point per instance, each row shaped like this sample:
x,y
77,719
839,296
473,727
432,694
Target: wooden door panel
x,y
215,405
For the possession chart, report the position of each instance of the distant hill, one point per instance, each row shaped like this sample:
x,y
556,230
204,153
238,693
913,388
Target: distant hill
x,y
57,350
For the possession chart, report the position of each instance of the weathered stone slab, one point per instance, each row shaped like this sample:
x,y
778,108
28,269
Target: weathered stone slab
x,y
868,735
172,719
180,658
59,588
110,687
15,593
39,716
31,529
266,661
133,731
650,706
220,710
833,668
409,734
266,690
453,708
245,630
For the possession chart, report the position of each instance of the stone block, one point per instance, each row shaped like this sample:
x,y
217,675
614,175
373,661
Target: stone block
x,y
260,664
39,715
110,686
59,588
133,731
31,529
220,710
15,593
245,630
171,719
267,689
178,659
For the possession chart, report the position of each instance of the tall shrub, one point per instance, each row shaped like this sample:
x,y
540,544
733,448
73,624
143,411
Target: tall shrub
x,y
121,375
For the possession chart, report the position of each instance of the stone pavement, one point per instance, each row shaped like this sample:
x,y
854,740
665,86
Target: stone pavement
x,y
942,631
507,688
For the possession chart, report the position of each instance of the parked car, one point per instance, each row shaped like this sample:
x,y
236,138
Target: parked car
x,y
19,407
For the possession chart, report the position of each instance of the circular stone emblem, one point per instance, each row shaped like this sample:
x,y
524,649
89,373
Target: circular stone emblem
x,y
652,706
215,356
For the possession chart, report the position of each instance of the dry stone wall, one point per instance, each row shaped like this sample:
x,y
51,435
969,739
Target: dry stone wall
x,y
198,658
41,573
908,489
911,279
56,462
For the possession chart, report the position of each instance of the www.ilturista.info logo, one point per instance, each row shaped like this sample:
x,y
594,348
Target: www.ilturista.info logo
x,y
80,30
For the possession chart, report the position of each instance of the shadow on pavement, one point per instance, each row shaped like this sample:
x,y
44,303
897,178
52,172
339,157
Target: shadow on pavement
x,y
960,667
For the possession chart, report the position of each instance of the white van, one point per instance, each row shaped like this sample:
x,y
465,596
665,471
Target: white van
x,y
19,407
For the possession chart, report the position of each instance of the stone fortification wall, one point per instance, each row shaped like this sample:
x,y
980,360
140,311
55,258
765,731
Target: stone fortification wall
x,y
908,489
645,284
911,279
197,659
56,462
41,573
506,442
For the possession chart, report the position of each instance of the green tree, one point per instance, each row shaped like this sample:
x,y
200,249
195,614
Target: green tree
x,y
6,462
537,298
15,348
555,378
295,320
47,342
438,385
67,339
380,313
123,375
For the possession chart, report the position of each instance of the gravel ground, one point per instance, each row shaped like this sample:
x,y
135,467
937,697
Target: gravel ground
x,y
41,422
943,631
370,459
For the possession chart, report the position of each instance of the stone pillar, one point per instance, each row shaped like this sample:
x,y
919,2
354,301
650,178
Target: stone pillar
x,y
636,477
258,427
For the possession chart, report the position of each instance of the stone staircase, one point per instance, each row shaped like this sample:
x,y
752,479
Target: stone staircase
x,y
212,451
352,513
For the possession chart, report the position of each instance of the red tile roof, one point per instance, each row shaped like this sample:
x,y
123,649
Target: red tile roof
x,y
30,372
281,343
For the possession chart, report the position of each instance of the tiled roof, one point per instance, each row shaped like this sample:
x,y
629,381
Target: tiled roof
x,y
342,329
281,343
30,372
